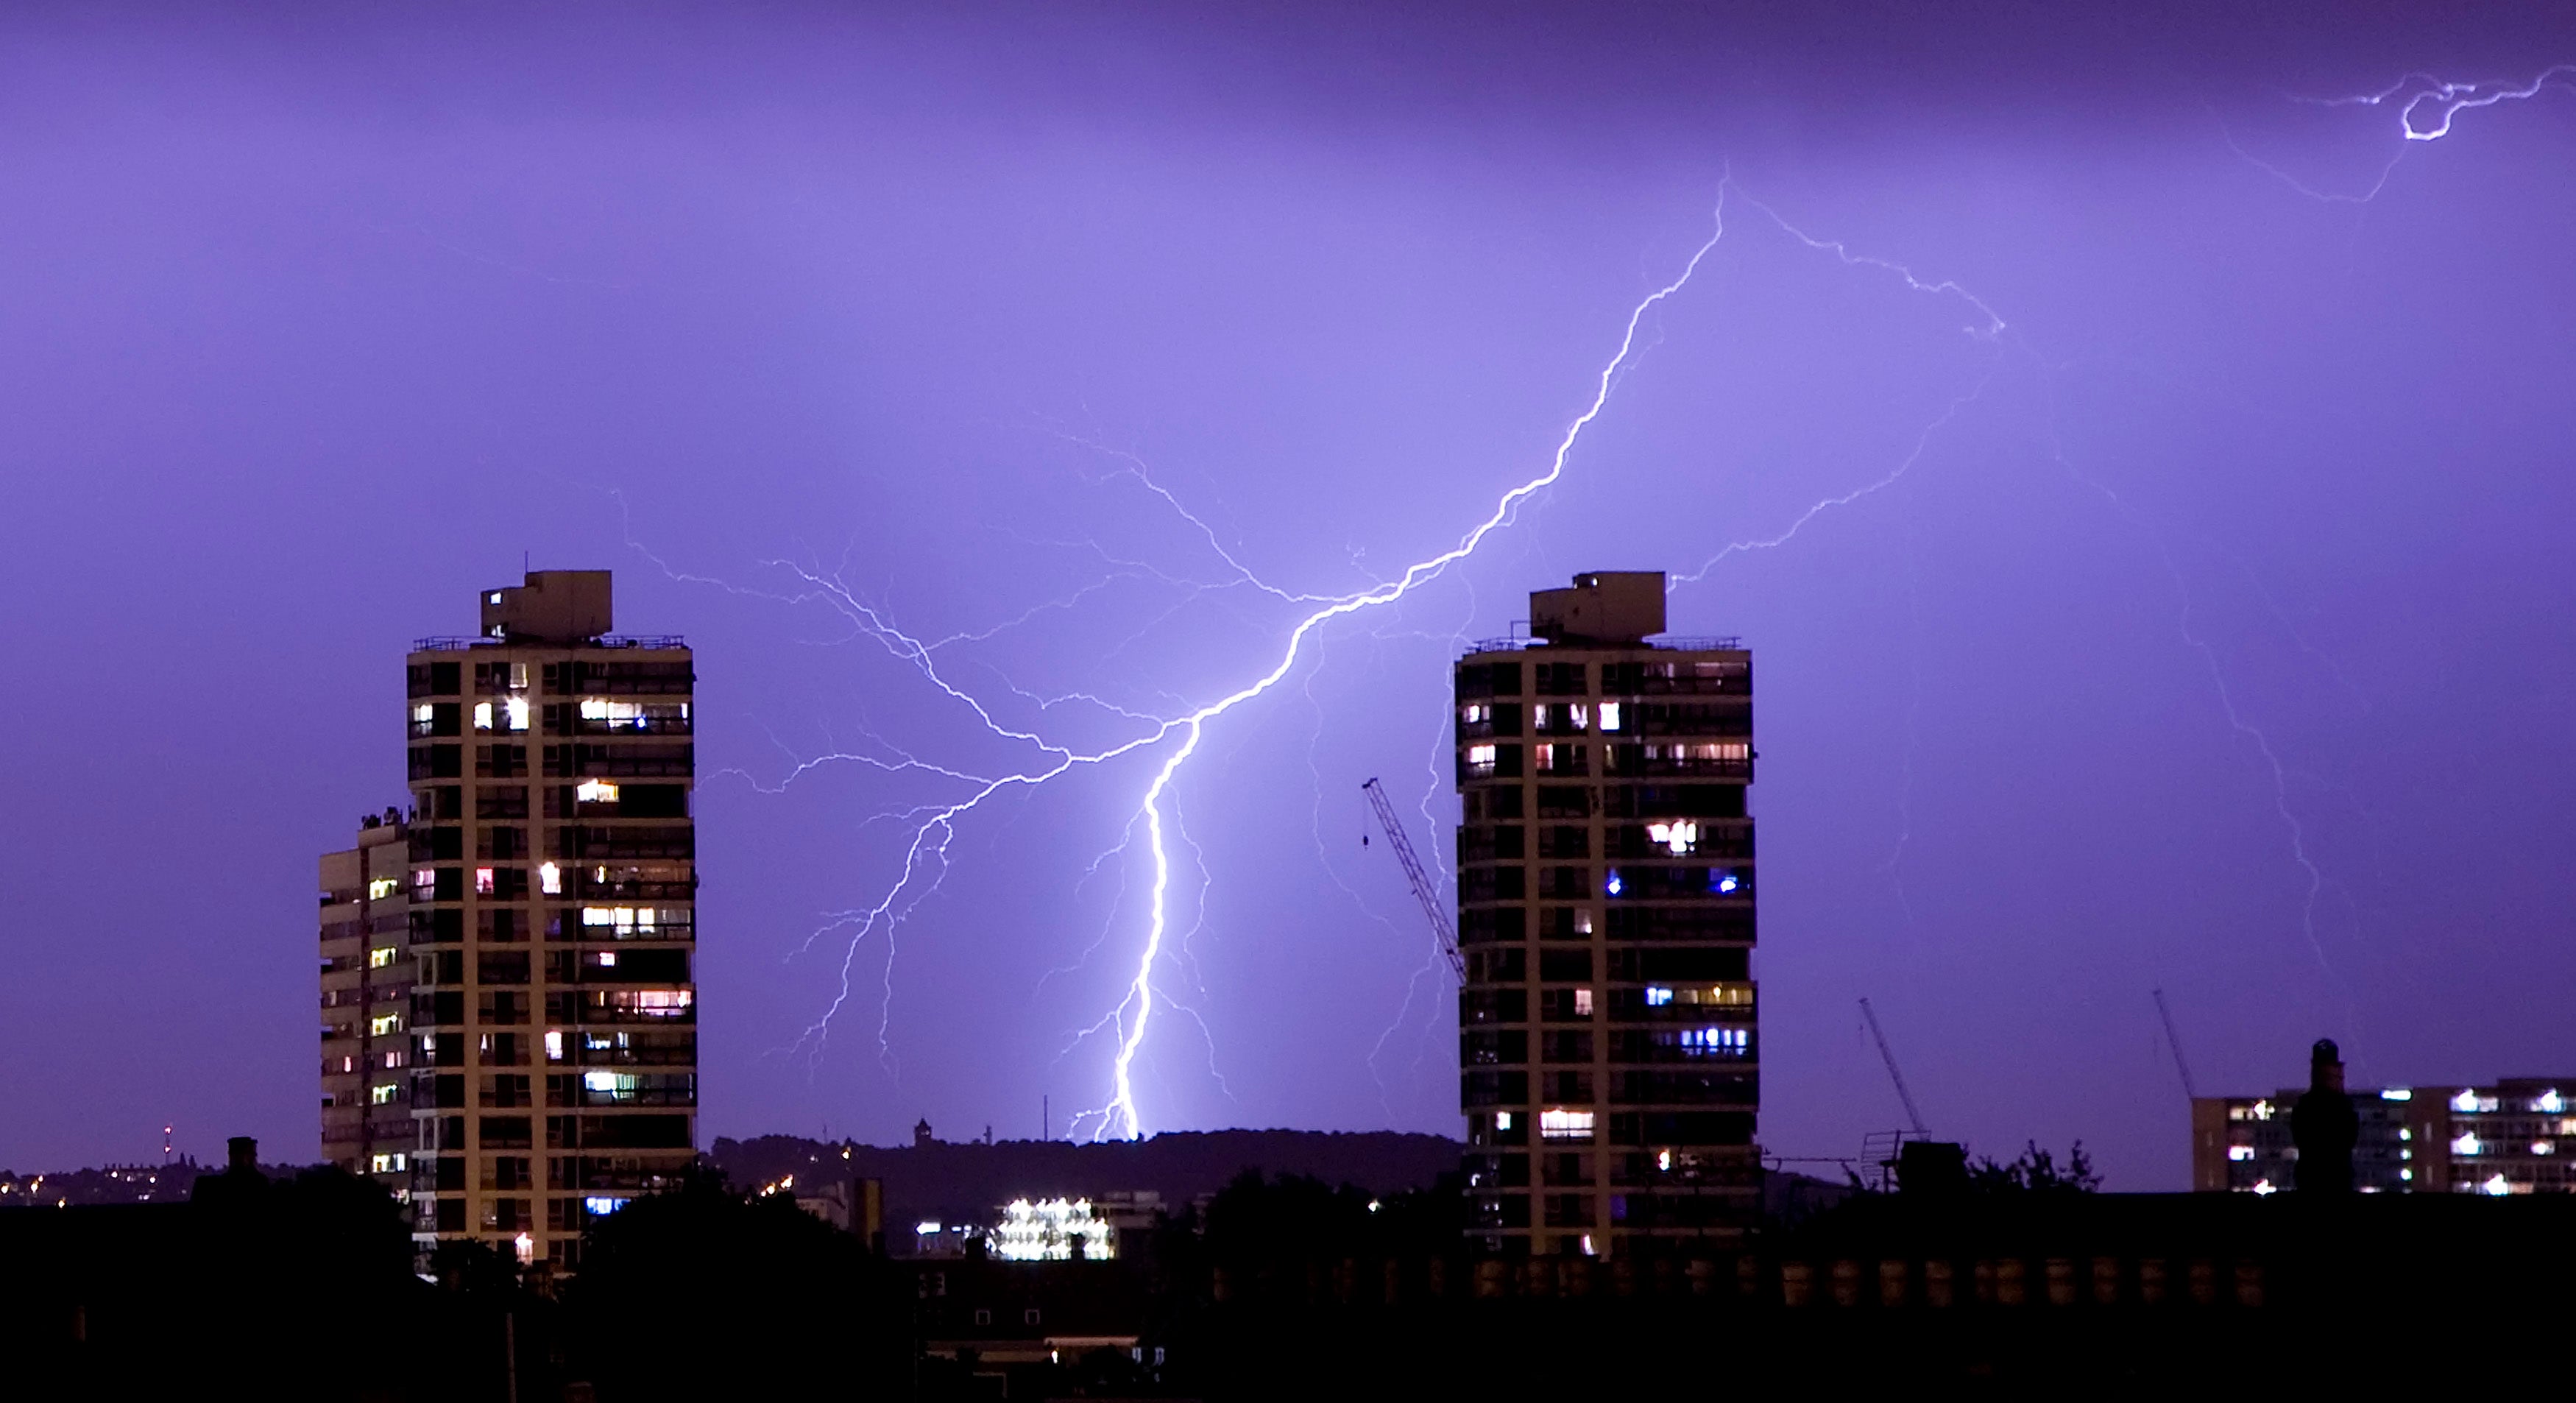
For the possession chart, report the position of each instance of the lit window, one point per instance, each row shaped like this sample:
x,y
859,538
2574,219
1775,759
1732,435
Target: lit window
x,y
1611,883
550,879
382,1095
2467,1144
2262,1110
482,716
516,710
378,888
1680,836
2465,1101
2240,1154
1663,1158
1557,1123
1723,882
554,1045
483,881
601,1207
1609,716
2397,1093
527,1248
2264,1187
2543,1147
1477,714
1577,716
394,1060
593,791
387,1164
493,598
2404,1134
607,959
1583,1003
2407,1175
617,715
420,717
1480,759
1502,1120
424,880
1658,997
2496,1187
1583,922
381,956
2548,1102
384,1024
610,1083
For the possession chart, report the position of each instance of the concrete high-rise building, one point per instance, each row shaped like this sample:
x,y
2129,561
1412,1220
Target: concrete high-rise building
x,y
549,873
2516,1136
366,1004
1605,895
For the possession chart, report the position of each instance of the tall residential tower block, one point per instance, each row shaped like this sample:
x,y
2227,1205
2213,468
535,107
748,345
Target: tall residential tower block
x,y
1605,896
546,875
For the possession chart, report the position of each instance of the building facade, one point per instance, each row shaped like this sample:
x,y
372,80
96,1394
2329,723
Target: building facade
x,y
1607,1038
366,1004
2515,1136
551,893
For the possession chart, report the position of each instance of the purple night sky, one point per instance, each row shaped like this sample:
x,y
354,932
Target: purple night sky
x,y
2203,629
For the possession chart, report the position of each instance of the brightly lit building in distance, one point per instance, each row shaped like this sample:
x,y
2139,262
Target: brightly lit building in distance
x,y
2517,1136
1607,1039
552,889
1051,1230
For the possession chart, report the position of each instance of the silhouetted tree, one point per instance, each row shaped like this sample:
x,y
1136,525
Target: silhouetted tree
x,y
2036,1171
703,1292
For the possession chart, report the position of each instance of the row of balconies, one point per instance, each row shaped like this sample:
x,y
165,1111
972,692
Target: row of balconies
x,y
641,1131
1651,965
1508,1047
1644,678
512,1090
1645,1006
510,1009
1698,802
1699,920
441,720
1631,882
573,677
1623,760
607,761
1510,842
1480,1087
508,925
1729,719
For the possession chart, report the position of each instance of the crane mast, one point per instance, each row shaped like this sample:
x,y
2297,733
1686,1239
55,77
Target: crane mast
x,y
1423,891
2175,1042
1893,1075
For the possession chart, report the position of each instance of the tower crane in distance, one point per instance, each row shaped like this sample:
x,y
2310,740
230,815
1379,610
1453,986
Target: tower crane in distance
x,y
1423,891
1893,1075
2174,1041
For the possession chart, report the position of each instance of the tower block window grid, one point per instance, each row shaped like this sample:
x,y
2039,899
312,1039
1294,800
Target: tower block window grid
x,y
1609,1045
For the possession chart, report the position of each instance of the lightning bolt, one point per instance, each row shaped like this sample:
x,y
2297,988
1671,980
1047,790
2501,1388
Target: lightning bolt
x,y
2445,100
2427,106
1134,1013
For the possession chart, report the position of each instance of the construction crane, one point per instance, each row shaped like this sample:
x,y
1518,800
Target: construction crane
x,y
1423,891
1894,1075
2175,1042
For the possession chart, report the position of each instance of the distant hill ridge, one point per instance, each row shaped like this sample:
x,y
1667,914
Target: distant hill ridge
x,y
964,1181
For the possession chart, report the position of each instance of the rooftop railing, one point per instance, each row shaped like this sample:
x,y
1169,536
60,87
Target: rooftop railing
x,y
451,643
1666,642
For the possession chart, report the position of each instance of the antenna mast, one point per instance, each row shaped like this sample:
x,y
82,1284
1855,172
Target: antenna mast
x,y
1894,1075
1413,873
